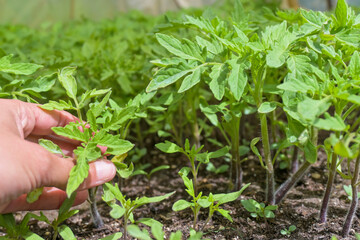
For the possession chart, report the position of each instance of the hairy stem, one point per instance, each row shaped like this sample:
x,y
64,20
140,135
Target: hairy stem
x,y
326,198
290,182
354,202
270,184
95,215
235,138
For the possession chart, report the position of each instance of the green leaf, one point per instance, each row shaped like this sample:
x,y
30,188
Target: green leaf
x,y
114,144
34,195
292,228
181,205
225,213
299,63
238,78
117,211
40,84
219,153
97,109
310,152
162,167
72,131
330,123
146,200
354,66
229,197
204,202
114,236
61,105
250,205
17,68
309,109
77,174
51,147
190,80
342,12
157,231
168,147
267,107
217,84
176,236
298,83
255,150
166,77
135,231
184,49
66,233
68,81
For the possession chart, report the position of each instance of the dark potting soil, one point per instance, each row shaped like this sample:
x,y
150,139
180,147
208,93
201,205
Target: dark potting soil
x,y
299,208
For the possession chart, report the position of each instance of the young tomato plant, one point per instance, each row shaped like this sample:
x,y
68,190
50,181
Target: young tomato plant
x,y
92,132
113,193
259,209
213,201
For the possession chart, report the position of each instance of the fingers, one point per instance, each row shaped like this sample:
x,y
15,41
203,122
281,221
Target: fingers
x,y
34,120
51,170
51,198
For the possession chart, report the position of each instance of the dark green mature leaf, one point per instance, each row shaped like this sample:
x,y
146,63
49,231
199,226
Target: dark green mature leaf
x,y
17,68
191,80
238,78
217,84
68,81
184,49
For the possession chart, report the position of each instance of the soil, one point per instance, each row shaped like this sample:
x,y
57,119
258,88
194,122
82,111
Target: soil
x,y
299,208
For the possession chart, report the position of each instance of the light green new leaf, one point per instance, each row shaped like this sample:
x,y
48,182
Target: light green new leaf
x,y
40,84
34,195
330,123
229,197
68,81
114,236
190,80
51,147
181,205
225,213
256,151
342,12
310,109
72,131
298,63
238,78
146,200
135,231
354,66
66,233
217,84
267,107
97,109
176,236
310,152
114,144
184,49
17,68
77,174
168,147
117,211
315,18
61,105
166,77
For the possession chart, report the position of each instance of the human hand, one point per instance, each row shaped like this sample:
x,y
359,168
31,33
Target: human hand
x,y
25,165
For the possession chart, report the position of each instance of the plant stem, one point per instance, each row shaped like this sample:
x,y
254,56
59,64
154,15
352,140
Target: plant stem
x,y
295,160
290,182
235,138
95,215
326,198
126,216
354,202
270,185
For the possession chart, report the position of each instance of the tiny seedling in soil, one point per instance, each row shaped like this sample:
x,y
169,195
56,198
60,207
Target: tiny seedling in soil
x,y
112,194
259,210
288,231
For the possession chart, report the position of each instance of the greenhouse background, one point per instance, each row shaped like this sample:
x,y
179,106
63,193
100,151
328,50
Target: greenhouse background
x,y
36,12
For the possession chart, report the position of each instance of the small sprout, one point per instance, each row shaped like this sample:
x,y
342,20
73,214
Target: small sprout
x,y
288,231
259,209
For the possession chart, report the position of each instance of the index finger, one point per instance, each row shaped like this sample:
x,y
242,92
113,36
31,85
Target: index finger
x,y
37,121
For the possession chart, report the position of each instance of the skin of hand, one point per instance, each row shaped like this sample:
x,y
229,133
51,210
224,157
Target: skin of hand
x,y
25,165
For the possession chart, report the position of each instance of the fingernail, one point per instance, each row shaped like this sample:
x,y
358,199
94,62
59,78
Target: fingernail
x,y
105,171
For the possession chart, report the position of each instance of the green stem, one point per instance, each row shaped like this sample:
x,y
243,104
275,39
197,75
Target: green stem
x,y
95,215
270,185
